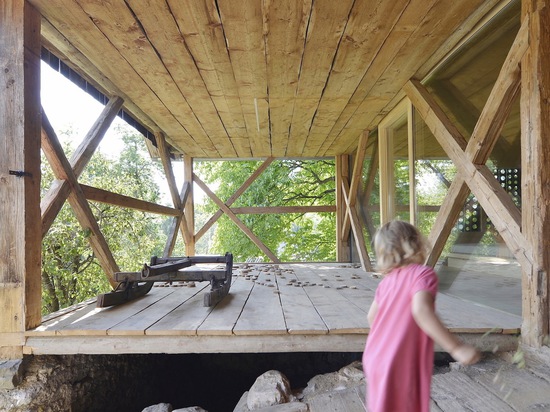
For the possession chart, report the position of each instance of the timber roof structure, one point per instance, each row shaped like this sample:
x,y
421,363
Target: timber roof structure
x,y
251,79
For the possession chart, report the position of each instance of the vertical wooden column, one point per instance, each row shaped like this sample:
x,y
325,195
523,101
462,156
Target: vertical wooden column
x,y
342,245
535,142
189,205
20,240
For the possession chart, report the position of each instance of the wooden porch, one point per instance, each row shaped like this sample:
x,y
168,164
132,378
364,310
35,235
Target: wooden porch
x,y
270,308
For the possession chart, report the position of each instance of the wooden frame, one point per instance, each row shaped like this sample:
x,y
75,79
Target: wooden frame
x,y
20,281
385,146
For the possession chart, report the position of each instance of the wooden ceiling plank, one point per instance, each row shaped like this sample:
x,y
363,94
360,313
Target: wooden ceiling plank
x,y
92,43
200,25
285,25
368,27
326,27
53,200
163,33
62,169
395,66
243,27
56,43
117,22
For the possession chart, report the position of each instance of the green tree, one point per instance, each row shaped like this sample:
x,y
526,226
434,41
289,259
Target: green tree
x,y
292,237
70,271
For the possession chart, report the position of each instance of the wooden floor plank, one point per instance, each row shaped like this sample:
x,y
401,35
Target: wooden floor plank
x,y
51,327
300,313
467,395
335,309
461,316
262,313
185,319
518,387
99,320
225,314
141,321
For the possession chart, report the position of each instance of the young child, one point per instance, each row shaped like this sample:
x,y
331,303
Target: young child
x,y
399,355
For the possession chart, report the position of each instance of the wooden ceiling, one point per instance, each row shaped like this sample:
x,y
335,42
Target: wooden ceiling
x,y
256,78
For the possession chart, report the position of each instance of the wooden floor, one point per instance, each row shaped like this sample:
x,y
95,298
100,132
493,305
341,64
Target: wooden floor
x,y
492,385
270,308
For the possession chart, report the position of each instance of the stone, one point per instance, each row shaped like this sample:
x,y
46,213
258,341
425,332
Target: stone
x,y
190,409
270,388
160,407
11,373
286,407
347,377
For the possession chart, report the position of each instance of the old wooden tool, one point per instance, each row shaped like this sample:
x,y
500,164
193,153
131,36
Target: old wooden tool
x,y
136,284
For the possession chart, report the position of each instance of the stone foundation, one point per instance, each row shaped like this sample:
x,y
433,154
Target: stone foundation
x,y
214,382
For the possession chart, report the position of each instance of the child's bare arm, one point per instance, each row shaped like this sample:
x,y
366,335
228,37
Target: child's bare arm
x,y
426,318
373,310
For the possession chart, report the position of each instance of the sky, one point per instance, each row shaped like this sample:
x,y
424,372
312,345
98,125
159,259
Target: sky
x,y
70,108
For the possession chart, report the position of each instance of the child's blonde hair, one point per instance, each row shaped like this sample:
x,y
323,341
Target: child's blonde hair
x,y
399,243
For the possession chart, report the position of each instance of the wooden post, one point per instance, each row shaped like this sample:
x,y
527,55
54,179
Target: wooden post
x,y
535,161
20,241
189,206
342,245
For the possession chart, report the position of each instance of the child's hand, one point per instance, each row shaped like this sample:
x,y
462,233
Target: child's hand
x,y
466,354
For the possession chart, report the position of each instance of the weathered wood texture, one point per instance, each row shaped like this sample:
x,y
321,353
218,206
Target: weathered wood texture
x,y
54,199
62,169
233,79
470,156
535,151
20,281
270,308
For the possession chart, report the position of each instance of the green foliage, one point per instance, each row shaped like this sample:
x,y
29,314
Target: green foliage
x,y
70,271
293,236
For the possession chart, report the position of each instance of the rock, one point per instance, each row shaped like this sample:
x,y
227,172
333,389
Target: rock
x,y
161,407
271,388
286,407
190,409
347,377
11,373
242,405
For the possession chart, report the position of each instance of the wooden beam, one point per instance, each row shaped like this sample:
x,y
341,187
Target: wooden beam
x,y
235,219
235,196
446,218
172,186
283,209
189,205
498,205
355,179
62,169
357,231
343,253
20,282
103,196
59,191
535,176
176,222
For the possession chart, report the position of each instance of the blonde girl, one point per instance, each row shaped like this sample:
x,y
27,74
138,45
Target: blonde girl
x,y
399,355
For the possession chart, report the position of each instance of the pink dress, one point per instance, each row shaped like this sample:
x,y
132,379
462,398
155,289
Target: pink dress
x,y
398,357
